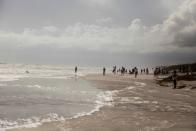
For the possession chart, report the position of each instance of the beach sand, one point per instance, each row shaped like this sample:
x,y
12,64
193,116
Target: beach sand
x,y
138,105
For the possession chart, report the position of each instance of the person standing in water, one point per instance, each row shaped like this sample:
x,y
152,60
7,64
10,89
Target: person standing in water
x,y
104,71
174,79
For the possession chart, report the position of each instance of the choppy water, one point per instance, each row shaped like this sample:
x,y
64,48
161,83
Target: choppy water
x,y
46,93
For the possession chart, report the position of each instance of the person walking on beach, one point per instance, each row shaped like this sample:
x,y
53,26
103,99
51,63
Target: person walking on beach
x,y
174,79
104,71
76,69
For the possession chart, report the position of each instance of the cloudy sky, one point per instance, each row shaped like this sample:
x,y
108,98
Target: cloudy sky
x,y
98,32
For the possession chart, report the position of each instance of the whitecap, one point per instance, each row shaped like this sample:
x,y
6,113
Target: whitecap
x,y
140,84
130,87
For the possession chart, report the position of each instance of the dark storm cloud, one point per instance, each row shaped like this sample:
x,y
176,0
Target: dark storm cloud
x,y
186,39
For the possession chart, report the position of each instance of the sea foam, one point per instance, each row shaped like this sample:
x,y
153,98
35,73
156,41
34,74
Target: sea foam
x,y
104,98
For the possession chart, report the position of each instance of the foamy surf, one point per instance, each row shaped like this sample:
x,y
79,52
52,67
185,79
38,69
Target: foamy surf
x,y
140,84
30,122
104,98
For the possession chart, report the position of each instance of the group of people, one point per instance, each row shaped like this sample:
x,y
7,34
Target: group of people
x,y
145,71
134,71
124,71
160,70
121,71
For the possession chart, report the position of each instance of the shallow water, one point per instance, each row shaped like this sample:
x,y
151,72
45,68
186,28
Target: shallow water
x,y
45,94
156,108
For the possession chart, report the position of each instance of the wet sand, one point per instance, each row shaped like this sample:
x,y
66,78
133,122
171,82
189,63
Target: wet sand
x,y
138,105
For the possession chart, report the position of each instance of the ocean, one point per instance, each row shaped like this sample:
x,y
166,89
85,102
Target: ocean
x,y
33,94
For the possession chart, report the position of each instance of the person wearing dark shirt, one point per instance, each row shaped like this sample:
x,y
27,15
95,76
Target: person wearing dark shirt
x,y
104,70
76,69
174,79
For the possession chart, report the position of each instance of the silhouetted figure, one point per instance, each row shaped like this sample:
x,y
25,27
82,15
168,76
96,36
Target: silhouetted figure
x,y
147,71
114,70
122,70
136,72
174,79
76,70
104,70
130,72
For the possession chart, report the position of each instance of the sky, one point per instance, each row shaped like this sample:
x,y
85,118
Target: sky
x,y
98,32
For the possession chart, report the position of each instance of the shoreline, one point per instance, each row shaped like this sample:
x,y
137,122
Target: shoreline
x,y
124,113
97,108
53,117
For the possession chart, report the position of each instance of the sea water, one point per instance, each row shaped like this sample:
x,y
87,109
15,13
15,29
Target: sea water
x,y
33,94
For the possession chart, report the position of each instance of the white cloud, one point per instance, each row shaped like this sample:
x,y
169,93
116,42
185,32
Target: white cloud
x,y
92,37
181,25
176,33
